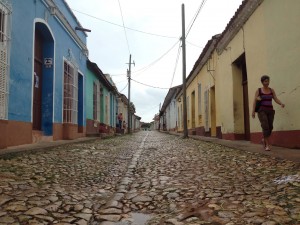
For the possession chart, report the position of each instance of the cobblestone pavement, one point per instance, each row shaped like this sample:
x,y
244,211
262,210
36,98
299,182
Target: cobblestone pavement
x,y
151,176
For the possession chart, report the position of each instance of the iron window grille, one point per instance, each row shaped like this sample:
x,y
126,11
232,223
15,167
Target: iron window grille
x,y
96,101
70,114
5,18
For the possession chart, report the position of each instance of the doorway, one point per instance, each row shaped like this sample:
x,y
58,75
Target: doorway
x,y
193,110
241,88
38,81
43,80
213,120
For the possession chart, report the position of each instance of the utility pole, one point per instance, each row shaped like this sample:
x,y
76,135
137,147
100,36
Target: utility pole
x,y
129,112
185,130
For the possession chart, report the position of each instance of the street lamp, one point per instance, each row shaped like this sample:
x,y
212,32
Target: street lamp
x,y
82,29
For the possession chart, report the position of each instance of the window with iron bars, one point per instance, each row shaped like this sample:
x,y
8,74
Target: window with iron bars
x,y
96,101
4,59
70,114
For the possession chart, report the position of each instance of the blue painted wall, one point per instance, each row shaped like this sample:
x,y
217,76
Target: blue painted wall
x,y
21,62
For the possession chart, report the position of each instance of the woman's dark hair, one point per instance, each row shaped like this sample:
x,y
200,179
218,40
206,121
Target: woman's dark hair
x,y
264,77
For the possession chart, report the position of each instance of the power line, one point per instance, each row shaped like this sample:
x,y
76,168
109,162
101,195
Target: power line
x,y
128,28
195,17
124,26
193,44
139,71
124,88
115,75
151,64
120,81
148,85
176,63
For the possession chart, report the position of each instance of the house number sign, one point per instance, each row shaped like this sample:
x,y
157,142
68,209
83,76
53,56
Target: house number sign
x,y
48,62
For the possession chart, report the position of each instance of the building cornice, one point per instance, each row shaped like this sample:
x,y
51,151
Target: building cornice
x,y
97,71
201,61
54,10
236,23
203,58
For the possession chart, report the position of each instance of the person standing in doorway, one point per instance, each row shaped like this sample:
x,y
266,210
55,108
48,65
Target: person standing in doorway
x,y
120,118
265,113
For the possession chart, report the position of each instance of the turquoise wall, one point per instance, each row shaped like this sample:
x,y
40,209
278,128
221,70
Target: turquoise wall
x,y
90,78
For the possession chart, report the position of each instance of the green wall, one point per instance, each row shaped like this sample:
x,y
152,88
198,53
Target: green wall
x,y
90,78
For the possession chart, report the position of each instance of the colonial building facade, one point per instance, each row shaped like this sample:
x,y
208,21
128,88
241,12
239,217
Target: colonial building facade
x,y
221,86
43,67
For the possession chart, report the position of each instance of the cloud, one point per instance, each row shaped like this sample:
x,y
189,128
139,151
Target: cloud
x,y
108,47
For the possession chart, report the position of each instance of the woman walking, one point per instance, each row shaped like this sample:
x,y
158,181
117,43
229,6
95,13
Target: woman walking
x,y
265,113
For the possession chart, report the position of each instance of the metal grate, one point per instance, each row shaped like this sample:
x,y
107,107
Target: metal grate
x,y
5,12
70,93
96,100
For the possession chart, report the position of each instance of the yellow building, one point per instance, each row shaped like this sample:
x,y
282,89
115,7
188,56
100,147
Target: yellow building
x,y
201,114
261,38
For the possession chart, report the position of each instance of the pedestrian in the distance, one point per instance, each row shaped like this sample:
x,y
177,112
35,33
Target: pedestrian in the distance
x,y
120,118
265,113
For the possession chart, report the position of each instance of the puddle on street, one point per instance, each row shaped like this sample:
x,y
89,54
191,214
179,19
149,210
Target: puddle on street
x,y
137,219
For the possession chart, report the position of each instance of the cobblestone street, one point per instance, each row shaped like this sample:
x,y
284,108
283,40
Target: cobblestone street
x,y
147,178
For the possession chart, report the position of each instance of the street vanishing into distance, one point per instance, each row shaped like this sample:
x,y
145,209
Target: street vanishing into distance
x,y
147,178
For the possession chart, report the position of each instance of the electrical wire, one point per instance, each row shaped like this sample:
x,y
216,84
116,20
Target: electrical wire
x,y
124,88
121,81
140,71
151,64
128,28
137,72
115,75
154,62
193,44
195,17
176,63
148,84
124,27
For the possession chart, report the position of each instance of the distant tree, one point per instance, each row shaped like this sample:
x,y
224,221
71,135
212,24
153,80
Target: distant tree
x,y
132,107
146,125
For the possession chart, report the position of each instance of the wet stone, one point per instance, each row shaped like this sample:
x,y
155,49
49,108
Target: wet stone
x,y
36,211
110,211
141,198
111,218
119,181
6,219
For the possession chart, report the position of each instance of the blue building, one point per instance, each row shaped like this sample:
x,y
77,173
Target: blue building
x,y
43,57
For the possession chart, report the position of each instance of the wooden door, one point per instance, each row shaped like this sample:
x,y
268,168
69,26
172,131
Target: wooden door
x,y
246,101
38,78
213,115
193,110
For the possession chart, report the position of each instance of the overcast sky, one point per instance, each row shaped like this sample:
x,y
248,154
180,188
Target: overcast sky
x,y
151,36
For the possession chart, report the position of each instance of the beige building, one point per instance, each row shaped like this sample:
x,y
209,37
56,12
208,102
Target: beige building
x,y
260,39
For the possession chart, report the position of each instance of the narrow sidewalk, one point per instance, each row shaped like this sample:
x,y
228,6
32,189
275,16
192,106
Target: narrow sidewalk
x,y
43,145
276,151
